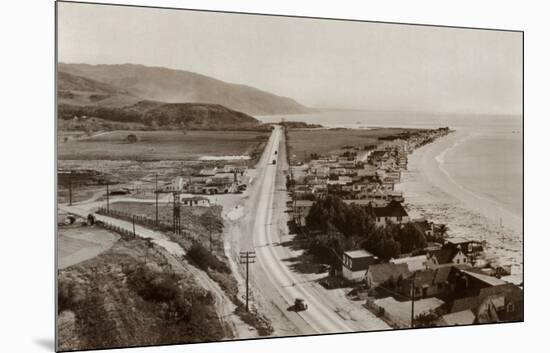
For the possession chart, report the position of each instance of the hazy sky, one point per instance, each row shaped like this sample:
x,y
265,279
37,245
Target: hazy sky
x,y
320,63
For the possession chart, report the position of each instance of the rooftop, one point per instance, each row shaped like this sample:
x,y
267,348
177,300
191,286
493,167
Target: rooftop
x,y
358,253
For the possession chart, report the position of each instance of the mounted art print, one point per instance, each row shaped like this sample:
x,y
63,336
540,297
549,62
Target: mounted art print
x,y
228,176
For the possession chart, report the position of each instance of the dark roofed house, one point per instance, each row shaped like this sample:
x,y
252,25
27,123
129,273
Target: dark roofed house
x,y
381,273
498,303
428,283
393,212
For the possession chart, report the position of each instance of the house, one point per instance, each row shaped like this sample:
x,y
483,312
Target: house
x,y
499,303
355,263
194,201
446,255
424,226
392,213
381,273
208,171
301,210
414,263
467,246
427,283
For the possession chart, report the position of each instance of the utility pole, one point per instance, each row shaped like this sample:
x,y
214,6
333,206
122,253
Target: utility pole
x,y
134,225
156,199
247,257
412,297
107,197
71,188
176,215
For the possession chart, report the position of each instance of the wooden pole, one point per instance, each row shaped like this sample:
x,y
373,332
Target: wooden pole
x,y
107,197
71,189
156,200
412,297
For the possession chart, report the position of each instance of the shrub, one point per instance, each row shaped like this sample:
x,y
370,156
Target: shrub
x,y
206,260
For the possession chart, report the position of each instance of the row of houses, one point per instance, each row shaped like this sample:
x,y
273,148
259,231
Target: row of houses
x,y
443,278
210,181
367,179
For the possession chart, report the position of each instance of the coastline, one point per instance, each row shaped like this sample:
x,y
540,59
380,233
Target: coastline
x,y
431,192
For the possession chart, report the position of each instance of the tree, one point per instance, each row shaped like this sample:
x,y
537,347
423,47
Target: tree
x,y
131,138
212,223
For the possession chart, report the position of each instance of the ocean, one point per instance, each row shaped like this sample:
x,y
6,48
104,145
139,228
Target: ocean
x,y
471,180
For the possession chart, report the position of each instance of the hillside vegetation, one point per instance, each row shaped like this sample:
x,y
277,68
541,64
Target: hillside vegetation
x,y
156,115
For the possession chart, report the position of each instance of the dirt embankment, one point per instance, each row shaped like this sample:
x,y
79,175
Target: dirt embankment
x,y
132,295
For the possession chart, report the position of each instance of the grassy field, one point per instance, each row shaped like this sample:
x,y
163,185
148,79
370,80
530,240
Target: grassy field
x,y
163,145
303,142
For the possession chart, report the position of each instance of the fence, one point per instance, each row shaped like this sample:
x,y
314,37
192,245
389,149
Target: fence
x,y
144,221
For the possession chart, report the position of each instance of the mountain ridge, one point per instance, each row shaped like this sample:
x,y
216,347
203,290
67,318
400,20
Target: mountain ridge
x,y
135,82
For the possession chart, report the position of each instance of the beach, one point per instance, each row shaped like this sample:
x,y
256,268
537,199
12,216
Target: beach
x,y
434,193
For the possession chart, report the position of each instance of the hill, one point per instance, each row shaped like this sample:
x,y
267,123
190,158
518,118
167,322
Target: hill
x,y
78,90
158,115
127,82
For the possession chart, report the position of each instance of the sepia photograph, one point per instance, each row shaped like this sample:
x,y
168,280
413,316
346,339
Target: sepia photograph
x,y
228,176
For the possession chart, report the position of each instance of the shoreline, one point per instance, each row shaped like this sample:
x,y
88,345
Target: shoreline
x,y
431,192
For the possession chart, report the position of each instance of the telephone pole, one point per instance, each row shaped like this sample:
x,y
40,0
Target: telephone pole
x,y
247,257
176,215
412,297
71,188
107,197
156,199
134,225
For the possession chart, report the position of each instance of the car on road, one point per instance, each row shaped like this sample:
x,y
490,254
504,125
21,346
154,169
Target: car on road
x,y
299,304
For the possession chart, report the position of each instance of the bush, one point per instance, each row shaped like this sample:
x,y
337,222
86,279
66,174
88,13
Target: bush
x,y
206,260
153,286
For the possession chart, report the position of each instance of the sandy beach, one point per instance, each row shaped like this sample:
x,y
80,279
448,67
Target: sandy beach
x,y
432,192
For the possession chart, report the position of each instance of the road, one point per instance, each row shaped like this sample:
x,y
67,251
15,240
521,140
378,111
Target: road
x,y
275,280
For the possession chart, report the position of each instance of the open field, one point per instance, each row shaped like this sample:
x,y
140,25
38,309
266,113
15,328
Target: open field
x,y
163,145
304,142
78,243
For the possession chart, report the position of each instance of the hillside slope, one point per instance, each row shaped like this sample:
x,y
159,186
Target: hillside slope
x,y
159,115
177,86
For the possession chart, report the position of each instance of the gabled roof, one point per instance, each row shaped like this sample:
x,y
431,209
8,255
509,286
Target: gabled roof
x,y
432,276
393,209
493,281
382,272
509,291
358,254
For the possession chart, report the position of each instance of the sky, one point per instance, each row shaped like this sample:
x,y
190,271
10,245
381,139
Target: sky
x,y
320,63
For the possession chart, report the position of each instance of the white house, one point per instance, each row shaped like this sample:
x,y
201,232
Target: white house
x,y
355,264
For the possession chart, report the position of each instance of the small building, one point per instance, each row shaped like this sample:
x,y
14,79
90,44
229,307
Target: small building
x,y
355,263
301,210
392,213
428,283
381,273
195,201
446,255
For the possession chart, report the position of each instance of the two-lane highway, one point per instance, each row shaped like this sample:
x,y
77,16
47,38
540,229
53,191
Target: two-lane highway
x,y
278,280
